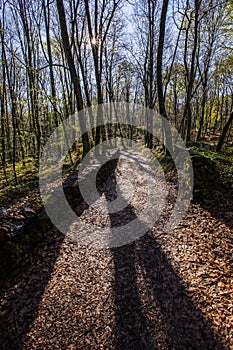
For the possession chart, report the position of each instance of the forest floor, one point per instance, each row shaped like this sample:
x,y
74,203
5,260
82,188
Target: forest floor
x,y
162,291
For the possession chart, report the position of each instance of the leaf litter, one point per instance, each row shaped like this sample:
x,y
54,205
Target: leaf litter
x,y
161,292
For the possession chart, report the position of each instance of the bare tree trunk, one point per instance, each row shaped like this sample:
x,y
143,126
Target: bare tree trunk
x,y
98,30
74,75
162,109
31,72
13,114
150,44
191,78
224,133
2,99
50,59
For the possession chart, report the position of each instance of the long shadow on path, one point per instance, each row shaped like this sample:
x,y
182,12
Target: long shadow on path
x,y
152,308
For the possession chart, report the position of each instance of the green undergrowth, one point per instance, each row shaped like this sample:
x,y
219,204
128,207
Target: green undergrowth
x,y
204,155
213,174
223,161
27,179
213,171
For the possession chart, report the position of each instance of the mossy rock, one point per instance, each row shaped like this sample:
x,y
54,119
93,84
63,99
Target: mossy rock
x,y
206,176
10,254
32,238
35,231
43,222
12,251
205,170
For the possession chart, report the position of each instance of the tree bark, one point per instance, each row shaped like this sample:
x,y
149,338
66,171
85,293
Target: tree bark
x,y
73,73
162,109
224,133
187,109
50,58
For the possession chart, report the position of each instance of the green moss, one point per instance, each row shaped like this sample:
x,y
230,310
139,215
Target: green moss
x,y
32,238
27,179
209,152
166,161
212,170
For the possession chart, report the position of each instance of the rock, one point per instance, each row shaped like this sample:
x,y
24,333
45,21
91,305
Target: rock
x,y
43,221
20,236
206,177
18,231
29,212
3,212
18,218
17,225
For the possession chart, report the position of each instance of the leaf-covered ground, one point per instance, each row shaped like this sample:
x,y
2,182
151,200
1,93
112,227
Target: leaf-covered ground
x,y
160,292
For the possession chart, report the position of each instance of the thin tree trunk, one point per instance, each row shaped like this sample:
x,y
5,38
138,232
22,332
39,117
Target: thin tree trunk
x,y
187,109
162,109
50,57
2,98
224,133
13,106
74,75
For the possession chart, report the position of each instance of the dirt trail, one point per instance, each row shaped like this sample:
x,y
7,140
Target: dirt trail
x,y
159,292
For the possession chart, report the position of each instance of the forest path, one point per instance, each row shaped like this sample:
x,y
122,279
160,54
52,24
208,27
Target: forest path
x,y
158,292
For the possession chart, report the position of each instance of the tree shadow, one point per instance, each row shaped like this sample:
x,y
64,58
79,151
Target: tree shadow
x,y
152,307
22,292
131,324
